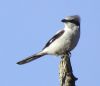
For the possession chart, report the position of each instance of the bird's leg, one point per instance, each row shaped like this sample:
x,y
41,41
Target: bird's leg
x,y
69,53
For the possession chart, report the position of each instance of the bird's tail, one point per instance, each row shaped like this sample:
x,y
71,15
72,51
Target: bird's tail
x,y
31,58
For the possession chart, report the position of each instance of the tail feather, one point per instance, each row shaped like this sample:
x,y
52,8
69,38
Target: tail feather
x,y
30,58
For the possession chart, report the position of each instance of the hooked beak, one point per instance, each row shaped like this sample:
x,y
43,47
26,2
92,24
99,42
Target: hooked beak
x,y
63,20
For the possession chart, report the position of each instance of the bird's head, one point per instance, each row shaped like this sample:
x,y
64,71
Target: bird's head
x,y
75,19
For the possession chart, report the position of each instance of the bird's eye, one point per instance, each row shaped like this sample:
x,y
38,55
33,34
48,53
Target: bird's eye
x,y
74,21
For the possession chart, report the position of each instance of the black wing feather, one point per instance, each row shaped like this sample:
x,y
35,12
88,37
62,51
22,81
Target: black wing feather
x,y
56,36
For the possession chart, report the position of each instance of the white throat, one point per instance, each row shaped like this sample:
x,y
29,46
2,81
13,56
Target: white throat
x,y
70,26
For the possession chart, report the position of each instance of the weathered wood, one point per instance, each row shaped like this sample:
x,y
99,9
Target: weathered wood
x,y
65,72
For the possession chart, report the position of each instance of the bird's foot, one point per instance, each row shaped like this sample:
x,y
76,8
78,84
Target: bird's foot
x,y
68,54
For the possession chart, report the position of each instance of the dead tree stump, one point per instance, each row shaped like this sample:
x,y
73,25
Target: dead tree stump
x,y
66,75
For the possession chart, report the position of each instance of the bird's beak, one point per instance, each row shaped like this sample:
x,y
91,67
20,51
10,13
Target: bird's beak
x,y
63,20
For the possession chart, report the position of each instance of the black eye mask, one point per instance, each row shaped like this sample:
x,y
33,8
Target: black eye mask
x,y
72,21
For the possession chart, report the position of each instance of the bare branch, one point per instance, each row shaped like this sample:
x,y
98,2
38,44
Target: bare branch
x,y
65,72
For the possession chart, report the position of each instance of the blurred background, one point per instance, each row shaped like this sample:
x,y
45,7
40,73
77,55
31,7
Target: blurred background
x,y
25,27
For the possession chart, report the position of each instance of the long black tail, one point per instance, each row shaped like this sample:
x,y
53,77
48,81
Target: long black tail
x,y
31,58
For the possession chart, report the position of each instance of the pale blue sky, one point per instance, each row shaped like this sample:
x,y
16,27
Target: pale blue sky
x,y
25,27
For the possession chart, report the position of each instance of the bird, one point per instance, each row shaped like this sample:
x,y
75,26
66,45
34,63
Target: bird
x,y
62,43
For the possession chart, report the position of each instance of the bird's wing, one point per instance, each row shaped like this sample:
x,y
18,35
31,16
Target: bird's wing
x,y
56,36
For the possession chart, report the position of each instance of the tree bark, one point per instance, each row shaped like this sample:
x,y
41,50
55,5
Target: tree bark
x,y
65,72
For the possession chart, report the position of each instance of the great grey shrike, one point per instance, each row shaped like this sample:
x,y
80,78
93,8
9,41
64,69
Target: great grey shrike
x,y
62,42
